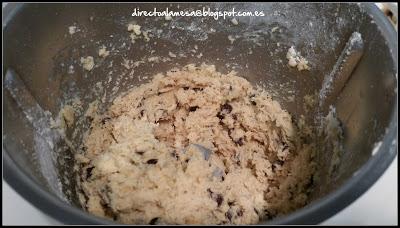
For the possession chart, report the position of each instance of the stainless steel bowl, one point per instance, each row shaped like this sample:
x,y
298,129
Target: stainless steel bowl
x,y
38,47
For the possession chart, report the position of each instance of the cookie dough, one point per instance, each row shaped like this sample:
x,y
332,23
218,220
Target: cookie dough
x,y
295,59
142,161
87,63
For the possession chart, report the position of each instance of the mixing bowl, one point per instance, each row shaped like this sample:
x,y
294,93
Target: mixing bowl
x,y
40,50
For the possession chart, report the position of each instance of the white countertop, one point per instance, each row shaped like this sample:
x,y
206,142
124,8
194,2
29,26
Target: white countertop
x,y
378,206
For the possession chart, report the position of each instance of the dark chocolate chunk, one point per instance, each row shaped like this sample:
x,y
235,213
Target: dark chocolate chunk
x,y
228,216
226,108
105,119
255,210
89,172
152,161
175,155
239,212
193,108
238,162
279,162
234,116
108,211
219,199
310,182
112,135
216,197
153,221
239,142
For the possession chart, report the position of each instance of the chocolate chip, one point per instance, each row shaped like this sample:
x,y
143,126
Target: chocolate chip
x,y
104,120
140,152
112,135
226,108
193,108
153,221
185,88
234,116
216,197
253,102
279,162
267,214
285,146
255,210
228,216
108,211
239,142
152,161
240,212
238,162
219,199
89,172
310,182
175,155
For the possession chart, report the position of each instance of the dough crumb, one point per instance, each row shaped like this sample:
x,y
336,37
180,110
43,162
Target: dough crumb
x,y
295,59
134,28
87,63
72,30
155,59
103,52
137,33
172,55
71,69
146,36
231,38
274,29
168,18
234,21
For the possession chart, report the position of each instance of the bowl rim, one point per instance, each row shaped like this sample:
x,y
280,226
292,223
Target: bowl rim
x,y
313,213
